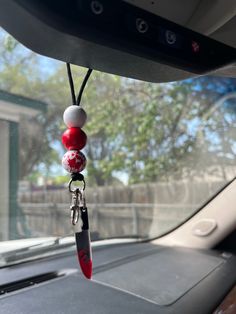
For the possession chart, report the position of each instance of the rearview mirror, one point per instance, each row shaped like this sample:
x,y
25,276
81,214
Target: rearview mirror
x,y
114,37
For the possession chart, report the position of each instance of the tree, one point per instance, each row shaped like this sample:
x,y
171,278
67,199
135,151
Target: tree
x,y
161,131
148,131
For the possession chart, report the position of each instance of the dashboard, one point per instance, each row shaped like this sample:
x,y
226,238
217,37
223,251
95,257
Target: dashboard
x,y
128,278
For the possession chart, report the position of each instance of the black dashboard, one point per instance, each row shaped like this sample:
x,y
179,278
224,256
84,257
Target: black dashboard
x,y
128,278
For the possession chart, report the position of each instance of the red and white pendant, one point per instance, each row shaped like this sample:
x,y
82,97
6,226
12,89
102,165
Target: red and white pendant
x,y
74,139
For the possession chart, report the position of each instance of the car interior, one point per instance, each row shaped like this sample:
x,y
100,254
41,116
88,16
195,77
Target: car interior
x,y
188,268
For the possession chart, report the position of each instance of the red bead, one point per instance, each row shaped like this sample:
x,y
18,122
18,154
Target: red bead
x,y
74,161
74,139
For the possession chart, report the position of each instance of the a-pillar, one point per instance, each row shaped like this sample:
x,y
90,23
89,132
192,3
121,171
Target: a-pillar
x,y
4,181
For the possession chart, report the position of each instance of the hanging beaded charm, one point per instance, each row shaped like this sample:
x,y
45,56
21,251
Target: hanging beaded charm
x,y
74,139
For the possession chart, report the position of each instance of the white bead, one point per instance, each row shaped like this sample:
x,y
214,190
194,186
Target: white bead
x,y
74,116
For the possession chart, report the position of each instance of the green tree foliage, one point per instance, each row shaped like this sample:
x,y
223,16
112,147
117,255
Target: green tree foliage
x,y
149,131
161,131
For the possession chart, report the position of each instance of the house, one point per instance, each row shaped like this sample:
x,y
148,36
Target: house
x,y
11,108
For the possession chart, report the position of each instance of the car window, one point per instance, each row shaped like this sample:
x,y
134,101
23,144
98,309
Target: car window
x,y
156,152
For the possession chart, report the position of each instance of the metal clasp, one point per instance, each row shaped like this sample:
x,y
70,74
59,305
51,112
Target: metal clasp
x,y
78,198
75,206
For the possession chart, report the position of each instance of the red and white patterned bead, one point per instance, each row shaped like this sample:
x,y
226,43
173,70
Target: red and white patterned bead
x,y
74,161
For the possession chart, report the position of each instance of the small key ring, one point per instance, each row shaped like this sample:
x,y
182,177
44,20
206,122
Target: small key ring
x,y
75,189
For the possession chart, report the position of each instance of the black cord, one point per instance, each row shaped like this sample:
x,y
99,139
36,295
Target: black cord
x,y
72,89
77,176
83,86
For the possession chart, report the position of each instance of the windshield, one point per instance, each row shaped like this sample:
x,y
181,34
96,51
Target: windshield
x,y
156,152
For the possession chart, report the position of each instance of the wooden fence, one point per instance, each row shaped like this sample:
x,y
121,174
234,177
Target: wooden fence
x,y
116,211
106,220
